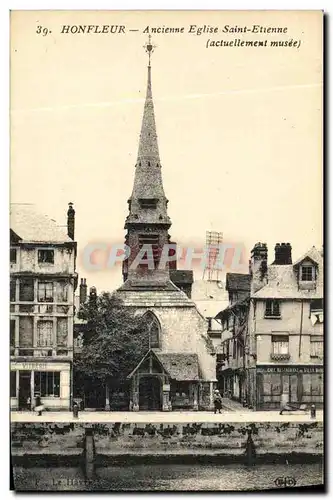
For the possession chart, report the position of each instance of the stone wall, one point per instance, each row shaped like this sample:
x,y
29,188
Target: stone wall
x,y
228,439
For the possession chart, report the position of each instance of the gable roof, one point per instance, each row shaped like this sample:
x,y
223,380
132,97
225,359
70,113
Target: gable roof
x,y
282,280
313,254
179,366
29,225
238,282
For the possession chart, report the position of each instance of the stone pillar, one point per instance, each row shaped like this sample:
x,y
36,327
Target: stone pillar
x,y
107,398
166,403
65,388
32,390
134,404
195,391
211,395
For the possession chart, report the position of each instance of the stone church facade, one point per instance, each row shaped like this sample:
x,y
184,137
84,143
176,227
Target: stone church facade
x,y
179,370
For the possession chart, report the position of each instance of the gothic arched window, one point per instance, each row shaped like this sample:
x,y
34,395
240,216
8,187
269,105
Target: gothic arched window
x,y
153,326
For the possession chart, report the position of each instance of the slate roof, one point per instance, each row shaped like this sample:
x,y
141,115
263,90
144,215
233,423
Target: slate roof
x,y
180,366
282,280
238,282
243,302
180,276
32,226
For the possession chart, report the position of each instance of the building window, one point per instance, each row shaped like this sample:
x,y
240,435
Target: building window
x,y
280,347
45,333
152,242
27,290
62,292
12,290
148,203
307,273
12,332
13,255
46,256
13,384
47,383
317,305
153,327
45,292
272,309
316,347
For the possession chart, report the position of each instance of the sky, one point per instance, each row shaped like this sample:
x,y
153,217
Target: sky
x,y
239,128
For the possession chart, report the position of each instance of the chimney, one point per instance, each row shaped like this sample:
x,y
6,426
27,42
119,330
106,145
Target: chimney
x,y
92,295
282,254
71,221
258,266
83,291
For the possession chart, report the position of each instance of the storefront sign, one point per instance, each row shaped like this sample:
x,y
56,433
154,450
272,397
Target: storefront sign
x,y
289,369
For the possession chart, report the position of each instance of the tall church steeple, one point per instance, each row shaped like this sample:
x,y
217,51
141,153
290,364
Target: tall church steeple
x,y
148,221
148,186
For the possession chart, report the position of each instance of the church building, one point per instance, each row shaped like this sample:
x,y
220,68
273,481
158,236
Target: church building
x,y
179,369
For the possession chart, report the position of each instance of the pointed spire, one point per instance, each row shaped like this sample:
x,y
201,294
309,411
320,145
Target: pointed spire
x,y
148,146
148,183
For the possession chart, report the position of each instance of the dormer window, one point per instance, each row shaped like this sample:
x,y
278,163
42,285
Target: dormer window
x,y
307,272
148,203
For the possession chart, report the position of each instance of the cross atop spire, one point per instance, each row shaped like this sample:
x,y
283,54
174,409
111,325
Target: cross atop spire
x,y
149,48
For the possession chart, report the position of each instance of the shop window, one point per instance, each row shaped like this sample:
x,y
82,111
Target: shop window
x,y
181,389
13,384
46,256
45,333
47,383
316,347
27,290
45,291
272,309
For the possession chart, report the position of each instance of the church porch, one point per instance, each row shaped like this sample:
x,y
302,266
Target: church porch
x,y
166,382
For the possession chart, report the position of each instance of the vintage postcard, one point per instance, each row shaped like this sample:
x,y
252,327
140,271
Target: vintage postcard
x,y
166,250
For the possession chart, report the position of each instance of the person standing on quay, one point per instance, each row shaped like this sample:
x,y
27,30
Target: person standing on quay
x,y
39,407
217,401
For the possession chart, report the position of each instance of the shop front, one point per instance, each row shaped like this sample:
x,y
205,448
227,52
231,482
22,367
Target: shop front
x,y
303,384
49,380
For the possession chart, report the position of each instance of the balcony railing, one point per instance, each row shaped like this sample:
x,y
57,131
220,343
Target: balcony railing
x,y
41,352
280,357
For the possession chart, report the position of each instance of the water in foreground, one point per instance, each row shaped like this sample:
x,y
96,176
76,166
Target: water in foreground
x,y
168,477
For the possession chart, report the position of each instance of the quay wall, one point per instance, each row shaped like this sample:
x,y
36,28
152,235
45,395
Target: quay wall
x,y
129,439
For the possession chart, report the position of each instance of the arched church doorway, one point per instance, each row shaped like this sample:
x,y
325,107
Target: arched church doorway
x,y
150,393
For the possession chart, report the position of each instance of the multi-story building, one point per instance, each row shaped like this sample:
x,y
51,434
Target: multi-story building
x,y
285,344
279,348
231,356
42,285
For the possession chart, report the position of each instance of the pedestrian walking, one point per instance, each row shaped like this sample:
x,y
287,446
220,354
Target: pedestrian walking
x,y
284,403
217,401
39,407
